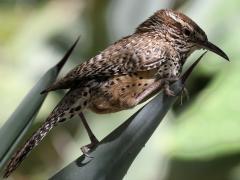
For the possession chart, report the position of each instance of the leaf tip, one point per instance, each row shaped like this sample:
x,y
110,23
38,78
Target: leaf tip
x,y
189,71
66,56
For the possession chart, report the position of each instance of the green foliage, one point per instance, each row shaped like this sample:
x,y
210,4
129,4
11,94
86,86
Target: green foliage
x,y
116,152
204,133
212,120
20,121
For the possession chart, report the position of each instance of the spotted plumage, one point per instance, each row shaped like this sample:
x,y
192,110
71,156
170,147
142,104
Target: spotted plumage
x,y
125,74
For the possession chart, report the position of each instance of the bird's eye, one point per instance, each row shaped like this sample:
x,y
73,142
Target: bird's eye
x,y
186,32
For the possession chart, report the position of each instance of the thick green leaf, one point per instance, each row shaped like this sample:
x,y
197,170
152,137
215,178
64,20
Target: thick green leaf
x,y
19,122
114,155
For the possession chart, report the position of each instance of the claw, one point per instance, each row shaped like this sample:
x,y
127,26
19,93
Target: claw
x,y
86,149
167,90
184,92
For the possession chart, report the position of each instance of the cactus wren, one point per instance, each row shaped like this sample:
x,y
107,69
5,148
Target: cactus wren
x,y
125,74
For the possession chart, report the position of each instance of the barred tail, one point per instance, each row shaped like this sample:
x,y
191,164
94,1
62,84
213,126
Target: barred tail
x,y
73,103
21,154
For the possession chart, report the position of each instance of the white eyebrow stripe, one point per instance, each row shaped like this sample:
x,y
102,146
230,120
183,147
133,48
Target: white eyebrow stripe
x,y
173,16
176,18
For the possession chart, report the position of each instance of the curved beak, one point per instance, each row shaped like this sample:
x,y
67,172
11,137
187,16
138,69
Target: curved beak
x,y
211,47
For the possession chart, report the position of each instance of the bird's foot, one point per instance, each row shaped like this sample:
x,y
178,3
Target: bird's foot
x,y
167,90
88,148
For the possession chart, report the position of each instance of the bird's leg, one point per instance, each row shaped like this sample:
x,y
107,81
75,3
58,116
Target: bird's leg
x,y
92,137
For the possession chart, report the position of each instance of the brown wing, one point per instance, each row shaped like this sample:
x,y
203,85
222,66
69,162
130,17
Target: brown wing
x,y
126,56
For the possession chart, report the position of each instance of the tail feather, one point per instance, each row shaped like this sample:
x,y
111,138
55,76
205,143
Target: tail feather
x,y
22,153
72,103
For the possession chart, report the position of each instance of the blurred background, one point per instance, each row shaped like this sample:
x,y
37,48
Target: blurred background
x,y
197,140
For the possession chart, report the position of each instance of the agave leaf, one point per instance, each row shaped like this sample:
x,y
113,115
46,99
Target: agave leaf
x,y
114,155
19,122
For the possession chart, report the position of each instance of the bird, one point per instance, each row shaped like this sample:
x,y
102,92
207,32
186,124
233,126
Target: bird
x,y
125,74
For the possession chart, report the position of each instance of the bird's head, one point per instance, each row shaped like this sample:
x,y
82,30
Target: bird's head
x,y
182,32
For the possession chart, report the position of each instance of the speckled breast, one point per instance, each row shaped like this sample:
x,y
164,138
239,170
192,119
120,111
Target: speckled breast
x,y
120,92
